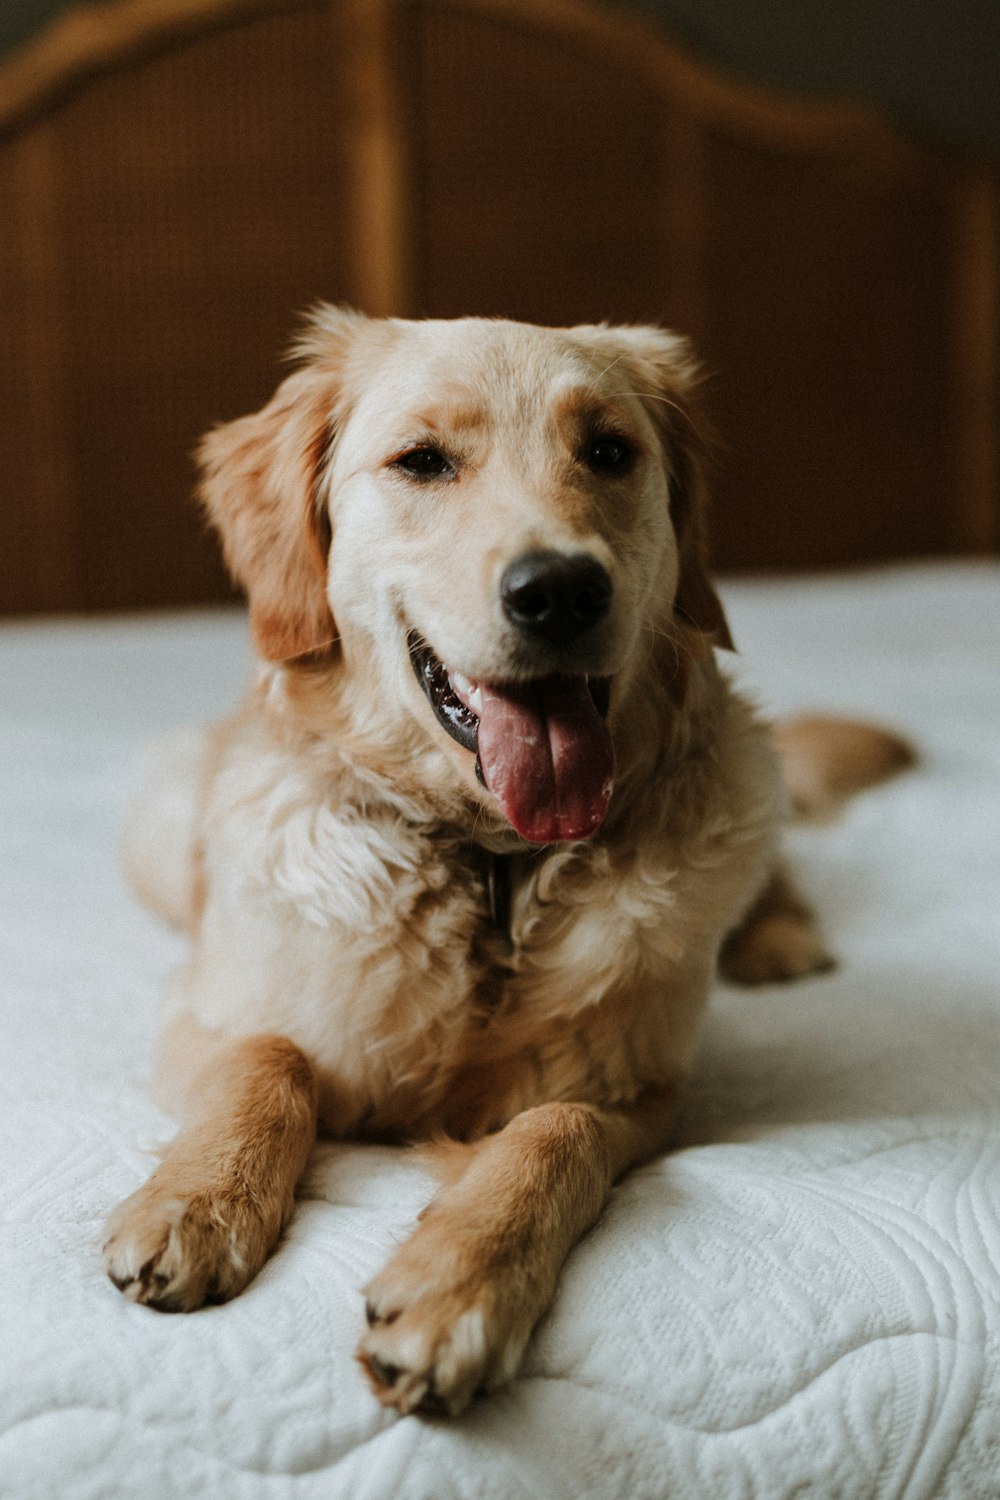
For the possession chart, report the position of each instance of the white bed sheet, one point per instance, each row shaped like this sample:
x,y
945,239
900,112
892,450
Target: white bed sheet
x,y
802,1300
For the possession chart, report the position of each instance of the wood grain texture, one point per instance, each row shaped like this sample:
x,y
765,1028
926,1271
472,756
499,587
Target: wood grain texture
x,y
179,179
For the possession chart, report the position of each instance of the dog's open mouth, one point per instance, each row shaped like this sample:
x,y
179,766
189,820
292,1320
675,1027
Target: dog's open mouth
x,y
542,747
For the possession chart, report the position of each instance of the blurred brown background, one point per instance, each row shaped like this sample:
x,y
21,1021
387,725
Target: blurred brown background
x,y
180,178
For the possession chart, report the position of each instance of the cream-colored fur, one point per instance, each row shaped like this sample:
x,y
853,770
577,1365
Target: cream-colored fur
x,y
326,847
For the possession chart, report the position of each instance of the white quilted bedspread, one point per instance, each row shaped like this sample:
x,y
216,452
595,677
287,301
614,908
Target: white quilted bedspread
x,y
804,1300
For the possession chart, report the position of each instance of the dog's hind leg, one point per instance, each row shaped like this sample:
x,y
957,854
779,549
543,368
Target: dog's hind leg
x,y
778,939
824,762
212,1212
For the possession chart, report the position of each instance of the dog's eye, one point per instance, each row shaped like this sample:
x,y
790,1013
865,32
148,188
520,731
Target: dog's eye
x,y
423,463
609,453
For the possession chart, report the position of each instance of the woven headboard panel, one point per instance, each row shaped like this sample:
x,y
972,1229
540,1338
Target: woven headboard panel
x,y
179,178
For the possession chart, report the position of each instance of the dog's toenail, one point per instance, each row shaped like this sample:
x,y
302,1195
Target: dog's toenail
x,y
384,1373
431,1404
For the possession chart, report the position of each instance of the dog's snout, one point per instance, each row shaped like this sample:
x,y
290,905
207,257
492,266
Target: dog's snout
x,y
556,595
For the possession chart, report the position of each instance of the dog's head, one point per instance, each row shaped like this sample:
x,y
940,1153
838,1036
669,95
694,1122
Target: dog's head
x,y
513,512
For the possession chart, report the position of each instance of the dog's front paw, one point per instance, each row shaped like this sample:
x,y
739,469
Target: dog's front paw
x,y
176,1250
444,1323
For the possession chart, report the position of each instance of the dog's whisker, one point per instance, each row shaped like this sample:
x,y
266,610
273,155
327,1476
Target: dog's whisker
x,y
657,396
597,378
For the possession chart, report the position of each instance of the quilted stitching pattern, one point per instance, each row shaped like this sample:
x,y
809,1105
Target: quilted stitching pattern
x,y
803,1300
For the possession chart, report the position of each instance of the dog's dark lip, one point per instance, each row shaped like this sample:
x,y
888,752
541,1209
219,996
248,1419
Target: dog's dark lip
x,y
455,717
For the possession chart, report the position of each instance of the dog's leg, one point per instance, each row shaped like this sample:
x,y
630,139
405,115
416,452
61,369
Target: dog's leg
x,y
777,939
824,761
453,1309
211,1213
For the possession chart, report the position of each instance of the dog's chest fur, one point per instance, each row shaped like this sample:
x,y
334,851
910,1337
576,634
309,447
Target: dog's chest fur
x,y
369,940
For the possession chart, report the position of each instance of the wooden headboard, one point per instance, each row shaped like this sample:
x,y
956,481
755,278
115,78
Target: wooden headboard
x,y
180,178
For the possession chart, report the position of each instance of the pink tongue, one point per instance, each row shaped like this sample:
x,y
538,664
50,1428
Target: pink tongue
x,y
547,757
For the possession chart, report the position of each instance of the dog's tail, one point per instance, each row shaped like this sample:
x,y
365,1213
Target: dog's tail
x,y
827,760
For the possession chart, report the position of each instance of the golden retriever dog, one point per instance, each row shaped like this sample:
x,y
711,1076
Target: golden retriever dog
x,y
461,868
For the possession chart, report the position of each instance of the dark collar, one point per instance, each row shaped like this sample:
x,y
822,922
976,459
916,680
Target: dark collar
x,y
498,891
495,872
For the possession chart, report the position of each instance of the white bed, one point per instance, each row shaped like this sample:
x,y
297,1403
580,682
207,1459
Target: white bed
x,y
803,1300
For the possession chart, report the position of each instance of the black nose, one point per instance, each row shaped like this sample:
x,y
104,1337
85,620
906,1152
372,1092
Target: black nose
x,y
555,595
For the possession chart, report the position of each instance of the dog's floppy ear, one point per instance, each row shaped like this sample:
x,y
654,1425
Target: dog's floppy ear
x,y
668,373
696,599
261,488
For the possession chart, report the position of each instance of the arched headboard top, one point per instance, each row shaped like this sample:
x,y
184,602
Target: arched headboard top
x,y
180,178
86,40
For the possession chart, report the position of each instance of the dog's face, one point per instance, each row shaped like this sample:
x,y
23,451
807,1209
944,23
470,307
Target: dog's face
x,y
494,519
